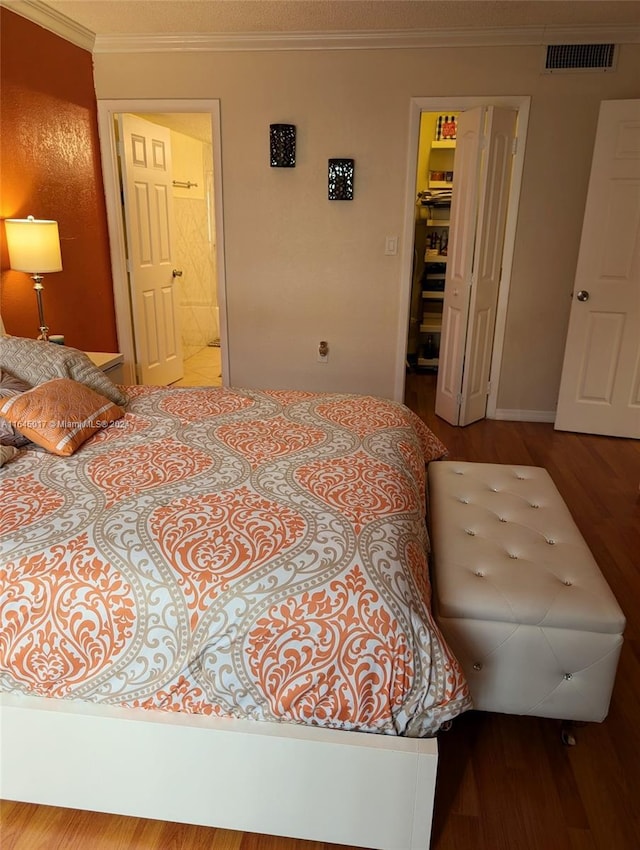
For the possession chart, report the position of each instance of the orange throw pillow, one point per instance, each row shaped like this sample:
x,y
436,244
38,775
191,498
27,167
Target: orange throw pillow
x,y
59,415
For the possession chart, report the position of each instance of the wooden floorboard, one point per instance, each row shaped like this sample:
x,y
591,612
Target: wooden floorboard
x,y
504,783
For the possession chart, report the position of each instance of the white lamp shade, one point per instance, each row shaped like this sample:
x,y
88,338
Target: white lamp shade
x,y
34,245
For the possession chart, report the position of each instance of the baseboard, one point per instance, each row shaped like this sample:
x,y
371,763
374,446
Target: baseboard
x,y
525,415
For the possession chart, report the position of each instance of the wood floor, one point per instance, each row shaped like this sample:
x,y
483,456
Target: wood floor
x,y
504,783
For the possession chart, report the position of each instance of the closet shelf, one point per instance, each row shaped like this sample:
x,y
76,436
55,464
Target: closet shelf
x,y
431,326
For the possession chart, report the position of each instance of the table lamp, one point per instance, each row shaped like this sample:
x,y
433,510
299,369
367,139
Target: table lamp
x,y
34,247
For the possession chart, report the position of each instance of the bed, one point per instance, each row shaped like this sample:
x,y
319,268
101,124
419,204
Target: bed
x,y
215,608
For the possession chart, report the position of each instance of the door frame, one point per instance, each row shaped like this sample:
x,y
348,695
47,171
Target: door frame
x,y
454,103
107,110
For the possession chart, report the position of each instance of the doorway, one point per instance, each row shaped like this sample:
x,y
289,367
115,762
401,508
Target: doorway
x,y
198,227
414,251
194,244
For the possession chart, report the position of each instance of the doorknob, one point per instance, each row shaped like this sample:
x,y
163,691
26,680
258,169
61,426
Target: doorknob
x,y
583,295
177,273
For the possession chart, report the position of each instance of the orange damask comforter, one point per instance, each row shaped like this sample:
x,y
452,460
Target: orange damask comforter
x,y
243,553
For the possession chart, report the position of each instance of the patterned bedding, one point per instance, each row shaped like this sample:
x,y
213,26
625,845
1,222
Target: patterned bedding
x,y
231,552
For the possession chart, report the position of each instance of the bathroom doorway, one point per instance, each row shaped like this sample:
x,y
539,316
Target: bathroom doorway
x,y
197,241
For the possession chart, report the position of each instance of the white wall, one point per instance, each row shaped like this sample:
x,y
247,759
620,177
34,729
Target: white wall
x,y
300,268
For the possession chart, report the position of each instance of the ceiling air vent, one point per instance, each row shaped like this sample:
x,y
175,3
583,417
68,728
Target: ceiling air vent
x,y
579,57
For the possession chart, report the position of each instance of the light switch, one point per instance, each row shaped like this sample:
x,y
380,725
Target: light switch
x,y
391,246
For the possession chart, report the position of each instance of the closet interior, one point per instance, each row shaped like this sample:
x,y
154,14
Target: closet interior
x,y
434,183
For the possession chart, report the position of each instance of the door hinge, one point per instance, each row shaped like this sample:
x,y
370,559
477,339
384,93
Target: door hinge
x,y
514,145
488,387
459,399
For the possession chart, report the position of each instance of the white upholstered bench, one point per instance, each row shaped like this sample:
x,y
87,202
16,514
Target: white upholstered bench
x,y
518,594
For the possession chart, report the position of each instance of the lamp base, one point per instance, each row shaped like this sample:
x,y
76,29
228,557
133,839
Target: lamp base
x,y
38,287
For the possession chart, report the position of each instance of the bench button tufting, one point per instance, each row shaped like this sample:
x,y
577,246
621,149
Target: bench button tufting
x,y
512,555
503,519
479,573
551,541
477,666
469,531
567,676
567,582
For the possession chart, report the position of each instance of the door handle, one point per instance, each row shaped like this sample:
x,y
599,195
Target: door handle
x,y
177,273
583,295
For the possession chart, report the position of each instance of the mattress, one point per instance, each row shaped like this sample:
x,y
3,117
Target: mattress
x,y
254,554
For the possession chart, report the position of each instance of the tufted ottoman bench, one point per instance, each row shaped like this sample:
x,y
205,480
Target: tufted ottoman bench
x,y
518,595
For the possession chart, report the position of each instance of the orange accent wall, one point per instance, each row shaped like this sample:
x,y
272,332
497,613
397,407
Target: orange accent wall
x,y
50,168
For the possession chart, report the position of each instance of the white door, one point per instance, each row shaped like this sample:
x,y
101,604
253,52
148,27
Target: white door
x,y
148,206
455,307
482,167
600,385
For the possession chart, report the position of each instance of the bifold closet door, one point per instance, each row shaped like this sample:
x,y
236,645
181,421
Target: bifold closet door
x,y
482,168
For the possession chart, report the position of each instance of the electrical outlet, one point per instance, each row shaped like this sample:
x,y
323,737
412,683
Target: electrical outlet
x,y
323,351
391,246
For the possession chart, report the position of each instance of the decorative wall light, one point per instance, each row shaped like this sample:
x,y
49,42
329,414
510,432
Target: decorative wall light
x,y
341,179
282,144
34,247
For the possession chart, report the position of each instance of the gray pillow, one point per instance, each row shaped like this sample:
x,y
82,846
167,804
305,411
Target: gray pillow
x,y
35,362
6,453
10,386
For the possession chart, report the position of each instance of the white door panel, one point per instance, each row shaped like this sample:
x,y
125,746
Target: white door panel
x,y
452,342
493,201
603,342
481,335
169,315
150,327
599,390
483,162
462,227
148,203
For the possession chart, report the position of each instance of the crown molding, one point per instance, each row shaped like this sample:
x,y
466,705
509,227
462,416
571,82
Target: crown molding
x,y
363,40
50,19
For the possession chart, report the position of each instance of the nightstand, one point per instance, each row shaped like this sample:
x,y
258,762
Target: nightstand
x,y
110,364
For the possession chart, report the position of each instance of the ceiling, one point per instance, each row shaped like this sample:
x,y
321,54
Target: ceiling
x,y
111,17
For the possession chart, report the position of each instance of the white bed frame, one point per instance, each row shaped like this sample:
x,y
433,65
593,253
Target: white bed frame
x,y
373,791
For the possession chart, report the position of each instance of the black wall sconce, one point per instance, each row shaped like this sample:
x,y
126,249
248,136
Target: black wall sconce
x,y
341,179
282,145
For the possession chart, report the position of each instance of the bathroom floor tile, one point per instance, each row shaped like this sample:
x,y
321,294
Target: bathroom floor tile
x,y
202,369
